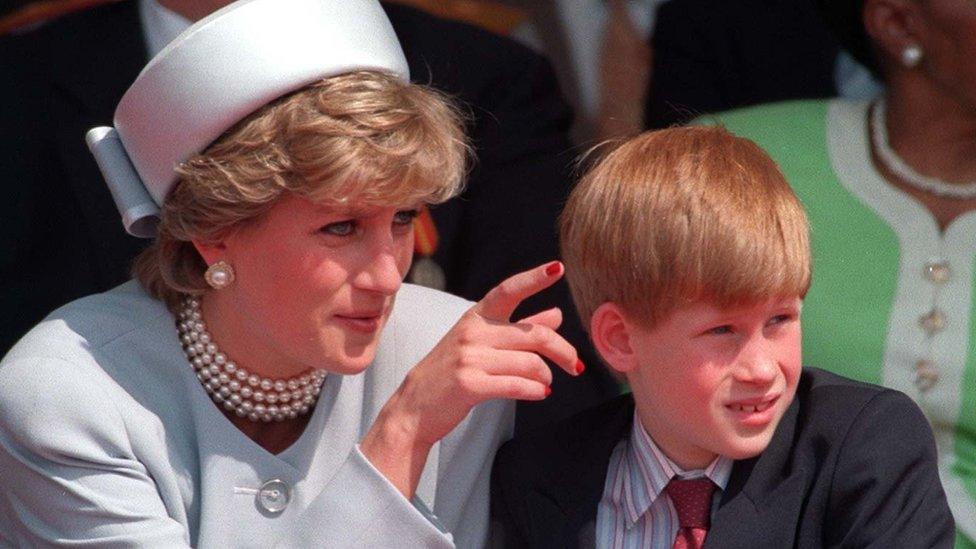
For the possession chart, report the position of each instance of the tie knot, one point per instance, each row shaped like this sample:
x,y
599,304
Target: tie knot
x,y
693,501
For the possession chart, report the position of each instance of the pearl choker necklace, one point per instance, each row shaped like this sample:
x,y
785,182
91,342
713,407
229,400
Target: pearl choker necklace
x,y
237,390
897,166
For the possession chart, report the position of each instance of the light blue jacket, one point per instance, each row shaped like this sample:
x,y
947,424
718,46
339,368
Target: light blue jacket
x,y
108,439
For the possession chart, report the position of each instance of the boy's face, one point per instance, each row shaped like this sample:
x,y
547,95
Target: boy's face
x,y
714,382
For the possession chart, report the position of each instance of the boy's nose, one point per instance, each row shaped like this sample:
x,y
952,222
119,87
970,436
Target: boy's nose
x,y
757,369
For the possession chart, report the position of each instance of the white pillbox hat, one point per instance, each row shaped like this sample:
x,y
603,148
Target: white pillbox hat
x,y
220,70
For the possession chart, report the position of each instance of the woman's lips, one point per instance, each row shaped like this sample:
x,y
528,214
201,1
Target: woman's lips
x,y
364,323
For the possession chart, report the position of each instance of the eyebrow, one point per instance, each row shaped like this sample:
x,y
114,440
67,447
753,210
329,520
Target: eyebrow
x,y
341,210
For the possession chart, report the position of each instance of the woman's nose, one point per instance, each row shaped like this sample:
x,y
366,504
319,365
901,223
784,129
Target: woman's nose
x,y
381,273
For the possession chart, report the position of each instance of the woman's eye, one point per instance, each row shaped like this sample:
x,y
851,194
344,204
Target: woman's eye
x,y
340,228
405,217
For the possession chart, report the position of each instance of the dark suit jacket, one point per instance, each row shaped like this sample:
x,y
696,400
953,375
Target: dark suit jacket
x,y
61,236
850,465
714,56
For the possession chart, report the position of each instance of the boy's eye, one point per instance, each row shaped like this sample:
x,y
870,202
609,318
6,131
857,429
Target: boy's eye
x,y
720,330
780,319
405,217
339,228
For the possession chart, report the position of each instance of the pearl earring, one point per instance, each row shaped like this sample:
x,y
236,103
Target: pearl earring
x,y
911,56
219,275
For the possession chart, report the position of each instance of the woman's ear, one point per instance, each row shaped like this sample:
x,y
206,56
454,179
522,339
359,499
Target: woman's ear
x,y
611,335
211,251
893,26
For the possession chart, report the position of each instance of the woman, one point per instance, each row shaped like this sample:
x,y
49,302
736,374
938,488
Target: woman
x,y
890,186
267,379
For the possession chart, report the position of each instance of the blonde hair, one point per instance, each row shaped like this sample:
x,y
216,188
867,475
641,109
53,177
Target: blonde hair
x,y
679,215
364,137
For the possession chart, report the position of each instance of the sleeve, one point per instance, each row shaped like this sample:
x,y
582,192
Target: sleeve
x,y
361,508
464,476
67,472
886,490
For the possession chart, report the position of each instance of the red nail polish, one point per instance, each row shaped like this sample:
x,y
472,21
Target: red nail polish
x,y
554,268
548,390
580,367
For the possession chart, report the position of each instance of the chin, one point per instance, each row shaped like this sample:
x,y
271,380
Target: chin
x,y
352,364
343,355
745,448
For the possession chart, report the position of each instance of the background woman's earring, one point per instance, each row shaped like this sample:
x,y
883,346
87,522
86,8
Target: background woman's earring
x,y
219,275
911,55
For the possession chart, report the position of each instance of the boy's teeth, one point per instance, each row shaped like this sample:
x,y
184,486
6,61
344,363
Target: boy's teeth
x,y
747,408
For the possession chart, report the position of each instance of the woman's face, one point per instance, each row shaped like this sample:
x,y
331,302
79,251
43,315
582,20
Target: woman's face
x,y
314,286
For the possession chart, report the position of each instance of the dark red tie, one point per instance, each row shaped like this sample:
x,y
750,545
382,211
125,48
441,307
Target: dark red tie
x,y
693,501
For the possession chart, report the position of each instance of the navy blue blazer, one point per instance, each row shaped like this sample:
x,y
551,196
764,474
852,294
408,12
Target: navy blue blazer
x,y
850,465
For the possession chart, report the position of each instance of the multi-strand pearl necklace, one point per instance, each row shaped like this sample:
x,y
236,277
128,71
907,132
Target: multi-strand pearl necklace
x,y
237,390
897,166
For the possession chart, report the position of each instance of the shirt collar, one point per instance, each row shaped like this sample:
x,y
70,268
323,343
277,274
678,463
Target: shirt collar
x,y
160,25
647,472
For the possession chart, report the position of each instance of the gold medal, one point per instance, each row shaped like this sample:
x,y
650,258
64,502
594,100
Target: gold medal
x,y
426,272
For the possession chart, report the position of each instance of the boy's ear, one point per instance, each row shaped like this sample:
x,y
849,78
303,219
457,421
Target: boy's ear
x,y
611,335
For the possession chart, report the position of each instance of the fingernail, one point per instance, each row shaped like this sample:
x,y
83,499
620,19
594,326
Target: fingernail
x,y
548,390
580,367
554,268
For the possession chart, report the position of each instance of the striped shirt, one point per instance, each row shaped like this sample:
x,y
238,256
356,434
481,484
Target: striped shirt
x,y
635,512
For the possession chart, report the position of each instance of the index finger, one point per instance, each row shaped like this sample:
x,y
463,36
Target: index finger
x,y
501,301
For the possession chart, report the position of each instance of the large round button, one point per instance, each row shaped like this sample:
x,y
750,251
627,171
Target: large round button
x,y
937,271
933,321
926,375
273,496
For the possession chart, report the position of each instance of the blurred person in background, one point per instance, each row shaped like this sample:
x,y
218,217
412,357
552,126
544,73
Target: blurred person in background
x,y
716,56
601,52
627,65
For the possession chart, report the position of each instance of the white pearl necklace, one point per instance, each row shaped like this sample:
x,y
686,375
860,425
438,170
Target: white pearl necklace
x,y
897,166
237,390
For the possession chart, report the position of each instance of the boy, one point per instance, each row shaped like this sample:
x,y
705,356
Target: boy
x,y
688,257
